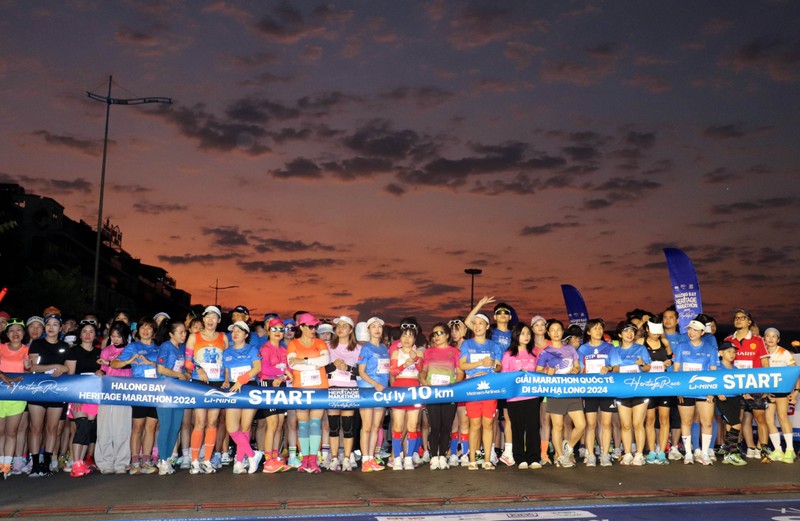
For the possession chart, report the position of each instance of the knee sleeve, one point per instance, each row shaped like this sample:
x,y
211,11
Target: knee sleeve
x,y
82,431
347,426
315,427
333,424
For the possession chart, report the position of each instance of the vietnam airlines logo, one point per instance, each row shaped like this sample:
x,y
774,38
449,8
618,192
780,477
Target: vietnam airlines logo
x,y
483,386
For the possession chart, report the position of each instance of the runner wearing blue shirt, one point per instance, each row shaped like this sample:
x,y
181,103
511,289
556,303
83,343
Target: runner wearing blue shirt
x,y
730,408
502,335
373,369
634,358
597,356
170,364
696,355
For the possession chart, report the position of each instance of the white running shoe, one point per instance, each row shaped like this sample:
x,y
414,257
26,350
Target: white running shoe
x,y
207,467
688,459
408,464
453,461
435,463
638,460
397,463
426,456
465,460
443,465
238,467
605,460
195,468
627,459
253,462
675,454
591,460
507,459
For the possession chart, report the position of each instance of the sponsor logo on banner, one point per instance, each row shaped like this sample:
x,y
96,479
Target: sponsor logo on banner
x,y
660,382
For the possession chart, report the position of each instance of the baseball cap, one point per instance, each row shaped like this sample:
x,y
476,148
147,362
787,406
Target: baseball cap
x,y
538,318
241,325
696,325
324,328
241,309
33,319
212,309
274,322
372,320
345,319
727,345
161,314
55,316
307,319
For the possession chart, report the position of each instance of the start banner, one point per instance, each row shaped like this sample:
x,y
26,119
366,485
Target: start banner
x,y
168,392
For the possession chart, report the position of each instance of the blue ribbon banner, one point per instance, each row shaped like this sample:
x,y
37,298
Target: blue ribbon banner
x,y
685,287
576,306
168,392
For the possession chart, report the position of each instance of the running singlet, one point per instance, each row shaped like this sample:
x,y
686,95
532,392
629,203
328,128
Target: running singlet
x,y
375,360
658,358
315,378
560,358
406,376
628,358
781,358
240,361
13,361
473,352
594,358
695,358
441,364
208,355
502,337
43,352
141,369
343,377
171,357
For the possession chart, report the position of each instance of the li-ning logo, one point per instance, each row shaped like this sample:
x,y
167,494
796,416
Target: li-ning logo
x,y
483,386
707,382
217,396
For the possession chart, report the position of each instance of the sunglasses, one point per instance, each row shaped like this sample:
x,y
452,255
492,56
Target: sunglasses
x,y
88,323
454,323
502,312
408,326
15,322
439,332
276,329
290,328
313,328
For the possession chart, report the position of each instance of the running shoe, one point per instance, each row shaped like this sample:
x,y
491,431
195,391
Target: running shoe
x,y
6,470
397,463
148,468
165,468
564,462
688,459
487,465
472,465
651,458
207,467
294,462
545,460
238,467
712,456
216,460
443,465
18,465
89,460
605,460
675,454
272,466
347,466
479,456
627,459
702,457
507,459
789,457
638,459
616,453
435,463
194,468
591,460
186,463
28,466
313,466
78,469
67,466
136,468
54,467
534,465
523,466
453,461
752,453
379,460
225,458
254,461
776,455
661,458
333,466
465,460
426,456
408,463
493,458
734,459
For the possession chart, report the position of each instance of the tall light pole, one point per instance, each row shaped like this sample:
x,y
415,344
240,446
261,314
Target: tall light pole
x,y
108,100
472,272
216,287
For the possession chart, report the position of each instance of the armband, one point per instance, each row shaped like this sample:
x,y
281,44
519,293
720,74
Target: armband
x,y
243,379
189,365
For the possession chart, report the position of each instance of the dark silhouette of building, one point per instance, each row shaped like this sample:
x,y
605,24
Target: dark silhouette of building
x,y
46,259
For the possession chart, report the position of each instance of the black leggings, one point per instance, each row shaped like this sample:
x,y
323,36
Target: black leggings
x,y
524,416
440,418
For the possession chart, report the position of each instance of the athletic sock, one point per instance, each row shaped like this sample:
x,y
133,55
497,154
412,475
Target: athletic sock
x,y
397,443
209,441
775,438
314,436
687,444
453,443
197,441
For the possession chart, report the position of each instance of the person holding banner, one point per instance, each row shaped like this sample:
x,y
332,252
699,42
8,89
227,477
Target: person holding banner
x,y
440,367
596,356
242,363
274,373
307,356
13,359
204,352
730,408
170,364
342,374
779,402
373,370
634,358
560,358
112,453
404,367
460,429
660,351
751,353
696,355
523,411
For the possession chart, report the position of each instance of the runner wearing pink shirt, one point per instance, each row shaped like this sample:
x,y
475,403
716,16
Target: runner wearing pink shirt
x,y
342,373
274,373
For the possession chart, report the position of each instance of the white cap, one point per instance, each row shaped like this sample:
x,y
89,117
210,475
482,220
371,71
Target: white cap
x,y
362,335
345,319
161,314
372,320
212,309
697,325
324,328
241,325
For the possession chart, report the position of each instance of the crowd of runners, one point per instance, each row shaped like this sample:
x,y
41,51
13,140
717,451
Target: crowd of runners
x,y
39,439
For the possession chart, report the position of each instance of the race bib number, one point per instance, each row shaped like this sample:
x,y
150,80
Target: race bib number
x,y
150,372
310,378
657,367
633,368
440,379
383,366
594,365
477,357
340,376
408,372
178,365
213,371
689,366
743,364
236,372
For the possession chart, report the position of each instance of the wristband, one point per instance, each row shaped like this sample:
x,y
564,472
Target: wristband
x,y
243,379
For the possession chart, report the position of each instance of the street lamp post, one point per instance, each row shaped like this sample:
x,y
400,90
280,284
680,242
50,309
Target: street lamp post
x,y
108,100
472,272
216,287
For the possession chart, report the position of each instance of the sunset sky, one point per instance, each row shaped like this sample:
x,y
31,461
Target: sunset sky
x,y
355,157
